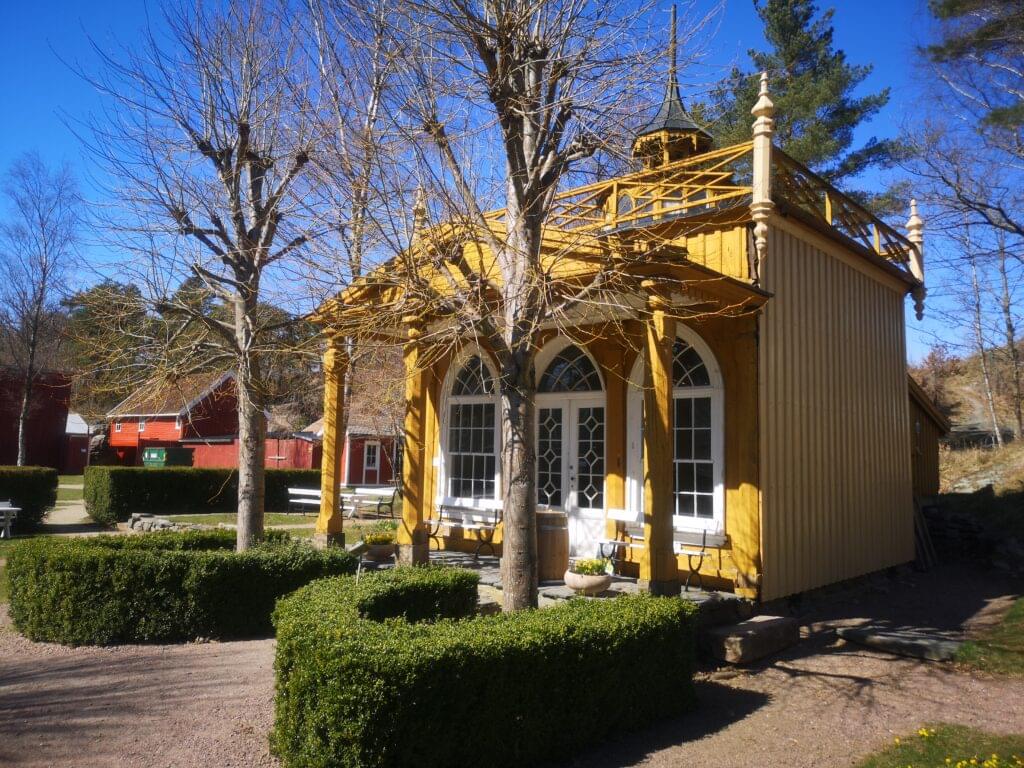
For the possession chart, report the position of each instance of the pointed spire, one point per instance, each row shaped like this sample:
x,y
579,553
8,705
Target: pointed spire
x,y
673,83
672,116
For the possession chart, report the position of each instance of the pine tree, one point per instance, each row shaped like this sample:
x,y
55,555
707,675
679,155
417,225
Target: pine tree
x,y
987,35
812,86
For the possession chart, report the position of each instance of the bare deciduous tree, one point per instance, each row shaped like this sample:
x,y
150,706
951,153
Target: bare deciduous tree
x,y
209,137
498,104
38,243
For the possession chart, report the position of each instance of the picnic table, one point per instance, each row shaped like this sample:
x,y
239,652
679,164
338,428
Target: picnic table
x,y
8,514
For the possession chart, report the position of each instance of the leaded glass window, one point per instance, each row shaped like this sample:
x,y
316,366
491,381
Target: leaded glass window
x,y
473,379
688,370
570,371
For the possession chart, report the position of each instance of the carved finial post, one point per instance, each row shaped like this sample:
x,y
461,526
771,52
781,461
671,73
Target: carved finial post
x,y
419,212
761,204
915,234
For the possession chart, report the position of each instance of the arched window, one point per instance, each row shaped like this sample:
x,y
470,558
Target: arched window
x,y
471,451
688,370
570,371
697,436
698,422
474,378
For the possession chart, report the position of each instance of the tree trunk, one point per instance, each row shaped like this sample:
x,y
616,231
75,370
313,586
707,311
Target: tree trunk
x,y
522,307
252,428
26,402
251,450
979,339
519,529
1011,342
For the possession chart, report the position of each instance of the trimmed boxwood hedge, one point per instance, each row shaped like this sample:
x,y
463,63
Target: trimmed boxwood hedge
x,y
113,493
33,489
158,587
359,688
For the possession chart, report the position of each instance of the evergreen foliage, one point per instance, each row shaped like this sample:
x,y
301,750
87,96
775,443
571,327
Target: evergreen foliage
x,y
112,494
387,670
32,489
158,587
987,34
812,86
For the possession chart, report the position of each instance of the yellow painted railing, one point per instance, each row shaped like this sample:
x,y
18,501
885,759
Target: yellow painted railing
x,y
800,186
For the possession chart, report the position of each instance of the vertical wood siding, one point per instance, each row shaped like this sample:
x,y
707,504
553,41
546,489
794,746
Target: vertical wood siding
x,y
835,449
924,438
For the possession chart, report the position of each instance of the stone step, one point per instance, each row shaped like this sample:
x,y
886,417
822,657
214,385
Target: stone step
x,y
928,644
750,640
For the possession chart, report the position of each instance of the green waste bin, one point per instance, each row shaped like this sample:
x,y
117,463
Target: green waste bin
x,y
167,457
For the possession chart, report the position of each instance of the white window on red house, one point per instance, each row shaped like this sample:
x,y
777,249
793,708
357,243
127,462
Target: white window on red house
x,y
142,425
117,426
371,455
177,423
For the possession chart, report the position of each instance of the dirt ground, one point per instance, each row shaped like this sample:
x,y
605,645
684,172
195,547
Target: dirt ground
x,y
823,703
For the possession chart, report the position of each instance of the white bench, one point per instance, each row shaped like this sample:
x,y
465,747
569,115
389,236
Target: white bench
x,y
685,542
484,519
302,499
8,514
373,499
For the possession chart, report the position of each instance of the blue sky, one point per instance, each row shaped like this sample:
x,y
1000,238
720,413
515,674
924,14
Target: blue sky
x,y
37,88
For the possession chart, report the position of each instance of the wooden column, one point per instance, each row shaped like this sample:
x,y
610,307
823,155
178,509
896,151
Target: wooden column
x,y
761,203
658,572
328,525
412,533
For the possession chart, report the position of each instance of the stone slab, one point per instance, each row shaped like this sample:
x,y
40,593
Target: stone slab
x,y
750,640
903,641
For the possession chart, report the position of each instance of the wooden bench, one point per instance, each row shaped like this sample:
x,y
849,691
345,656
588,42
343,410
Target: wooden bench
x,y
688,543
302,499
8,514
378,501
484,519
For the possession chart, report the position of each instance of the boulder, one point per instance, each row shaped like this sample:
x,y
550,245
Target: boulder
x,y
751,640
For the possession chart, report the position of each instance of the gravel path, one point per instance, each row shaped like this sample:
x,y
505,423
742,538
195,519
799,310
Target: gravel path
x,y
825,703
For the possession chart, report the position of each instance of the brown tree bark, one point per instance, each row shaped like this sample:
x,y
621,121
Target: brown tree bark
x,y
1009,328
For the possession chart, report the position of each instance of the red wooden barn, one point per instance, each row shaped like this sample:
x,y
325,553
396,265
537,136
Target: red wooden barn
x,y
369,454
47,417
202,407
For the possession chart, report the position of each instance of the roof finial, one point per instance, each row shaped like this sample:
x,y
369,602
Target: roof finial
x,y
672,57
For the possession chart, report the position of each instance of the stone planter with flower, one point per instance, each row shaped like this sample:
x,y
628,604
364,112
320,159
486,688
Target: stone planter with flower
x,y
380,541
588,576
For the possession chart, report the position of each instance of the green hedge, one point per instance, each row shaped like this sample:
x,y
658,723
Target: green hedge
x,y
34,489
113,493
159,587
356,688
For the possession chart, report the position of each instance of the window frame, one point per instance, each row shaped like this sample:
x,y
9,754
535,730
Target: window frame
x,y
483,503
366,455
634,420
141,426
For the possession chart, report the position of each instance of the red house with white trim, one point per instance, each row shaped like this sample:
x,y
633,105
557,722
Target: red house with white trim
x,y
164,413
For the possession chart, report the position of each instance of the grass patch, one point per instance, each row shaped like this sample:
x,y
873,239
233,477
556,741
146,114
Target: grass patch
x,y
70,479
230,518
950,745
1001,650
69,494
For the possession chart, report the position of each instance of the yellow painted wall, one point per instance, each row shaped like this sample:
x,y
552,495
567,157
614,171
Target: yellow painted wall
x,y
924,450
834,443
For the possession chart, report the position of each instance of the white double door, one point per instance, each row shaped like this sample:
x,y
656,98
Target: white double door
x,y
570,433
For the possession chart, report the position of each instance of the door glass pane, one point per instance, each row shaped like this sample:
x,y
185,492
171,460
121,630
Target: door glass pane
x,y
549,456
590,458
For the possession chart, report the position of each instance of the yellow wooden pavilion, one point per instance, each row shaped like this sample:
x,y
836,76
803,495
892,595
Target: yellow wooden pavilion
x,y
742,385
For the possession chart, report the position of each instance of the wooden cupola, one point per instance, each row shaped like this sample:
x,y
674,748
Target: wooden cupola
x,y
672,134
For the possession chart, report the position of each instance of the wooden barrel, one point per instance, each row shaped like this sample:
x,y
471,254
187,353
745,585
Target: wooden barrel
x,y
552,546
